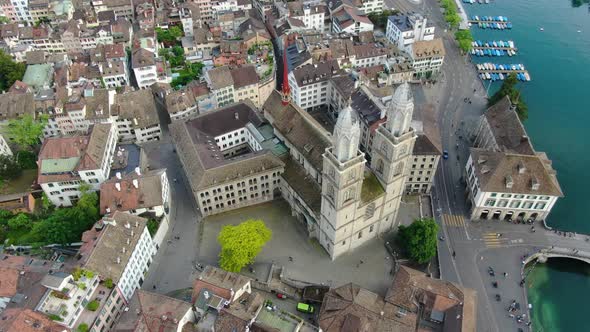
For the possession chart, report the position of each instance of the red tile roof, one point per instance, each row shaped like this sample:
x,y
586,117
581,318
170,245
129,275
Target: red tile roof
x,y
27,320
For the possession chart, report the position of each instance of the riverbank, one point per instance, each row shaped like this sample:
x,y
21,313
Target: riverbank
x,y
556,125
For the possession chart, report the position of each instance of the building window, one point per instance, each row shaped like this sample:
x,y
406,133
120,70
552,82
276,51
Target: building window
x,y
360,234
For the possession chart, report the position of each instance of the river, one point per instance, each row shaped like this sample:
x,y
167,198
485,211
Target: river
x,y
558,60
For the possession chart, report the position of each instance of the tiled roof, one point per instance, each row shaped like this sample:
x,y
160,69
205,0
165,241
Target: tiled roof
x,y
424,146
299,129
221,282
147,194
307,188
142,58
315,73
507,128
244,76
152,312
424,49
352,308
493,169
60,156
15,105
103,258
27,320
220,77
204,163
178,101
137,106
8,281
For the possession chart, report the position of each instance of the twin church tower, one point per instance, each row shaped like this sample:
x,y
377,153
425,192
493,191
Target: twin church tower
x,y
358,203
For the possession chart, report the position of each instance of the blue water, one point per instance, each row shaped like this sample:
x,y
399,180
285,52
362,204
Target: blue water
x,y
558,60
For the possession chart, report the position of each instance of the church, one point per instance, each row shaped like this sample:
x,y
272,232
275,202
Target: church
x,y
343,201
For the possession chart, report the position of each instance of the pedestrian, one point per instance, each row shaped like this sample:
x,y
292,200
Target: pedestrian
x,y
290,258
362,261
454,254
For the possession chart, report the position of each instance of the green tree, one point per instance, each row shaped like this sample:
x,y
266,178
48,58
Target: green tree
x,y
464,38
9,168
380,19
26,131
83,327
20,221
509,89
152,226
92,305
242,243
4,20
419,239
10,71
108,283
169,36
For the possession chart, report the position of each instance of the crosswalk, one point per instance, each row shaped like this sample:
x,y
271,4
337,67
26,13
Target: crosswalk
x,y
453,220
493,241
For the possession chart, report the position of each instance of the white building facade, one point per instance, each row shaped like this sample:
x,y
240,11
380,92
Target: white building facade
x,y
403,30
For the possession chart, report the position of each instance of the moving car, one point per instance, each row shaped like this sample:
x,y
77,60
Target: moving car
x,y
445,154
304,307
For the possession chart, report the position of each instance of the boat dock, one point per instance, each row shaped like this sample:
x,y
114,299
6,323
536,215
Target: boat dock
x,y
481,2
493,48
490,22
494,72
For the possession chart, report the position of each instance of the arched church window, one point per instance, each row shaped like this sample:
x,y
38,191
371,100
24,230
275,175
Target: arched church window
x,y
380,166
399,169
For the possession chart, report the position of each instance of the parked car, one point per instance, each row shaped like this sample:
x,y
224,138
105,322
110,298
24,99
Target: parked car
x,y
445,154
281,296
304,307
498,297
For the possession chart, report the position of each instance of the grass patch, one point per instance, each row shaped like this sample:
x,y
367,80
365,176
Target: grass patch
x,y
371,188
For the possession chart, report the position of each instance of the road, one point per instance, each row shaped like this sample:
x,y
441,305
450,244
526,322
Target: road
x,y
475,244
173,266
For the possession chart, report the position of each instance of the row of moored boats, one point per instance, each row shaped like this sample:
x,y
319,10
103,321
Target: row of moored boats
x,y
492,52
493,43
524,77
503,19
500,67
478,1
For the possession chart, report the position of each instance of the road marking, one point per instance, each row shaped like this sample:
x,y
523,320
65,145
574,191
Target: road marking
x,y
493,241
453,220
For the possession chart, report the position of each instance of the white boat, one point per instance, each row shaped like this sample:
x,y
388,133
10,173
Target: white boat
x,y
501,76
494,44
541,29
513,67
488,76
527,76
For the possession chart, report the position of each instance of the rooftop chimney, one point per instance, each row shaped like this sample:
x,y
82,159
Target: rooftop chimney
x,y
135,183
509,182
118,186
118,175
118,260
138,170
236,116
520,167
127,226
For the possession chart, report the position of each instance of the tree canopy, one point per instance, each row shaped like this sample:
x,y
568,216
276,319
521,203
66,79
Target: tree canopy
x,y
464,38
10,71
62,225
509,89
419,239
9,168
242,243
189,73
451,15
26,131
169,36
379,20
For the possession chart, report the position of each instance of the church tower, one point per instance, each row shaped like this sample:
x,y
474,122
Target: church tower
x,y
392,149
342,180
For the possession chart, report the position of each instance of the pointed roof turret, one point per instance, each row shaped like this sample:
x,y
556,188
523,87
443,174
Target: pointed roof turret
x,y
401,108
347,134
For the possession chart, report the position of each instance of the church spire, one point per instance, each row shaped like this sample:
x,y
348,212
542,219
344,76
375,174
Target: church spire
x,y
347,134
399,113
285,91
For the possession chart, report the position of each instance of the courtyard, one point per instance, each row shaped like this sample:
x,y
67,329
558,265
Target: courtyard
x,y
310,261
